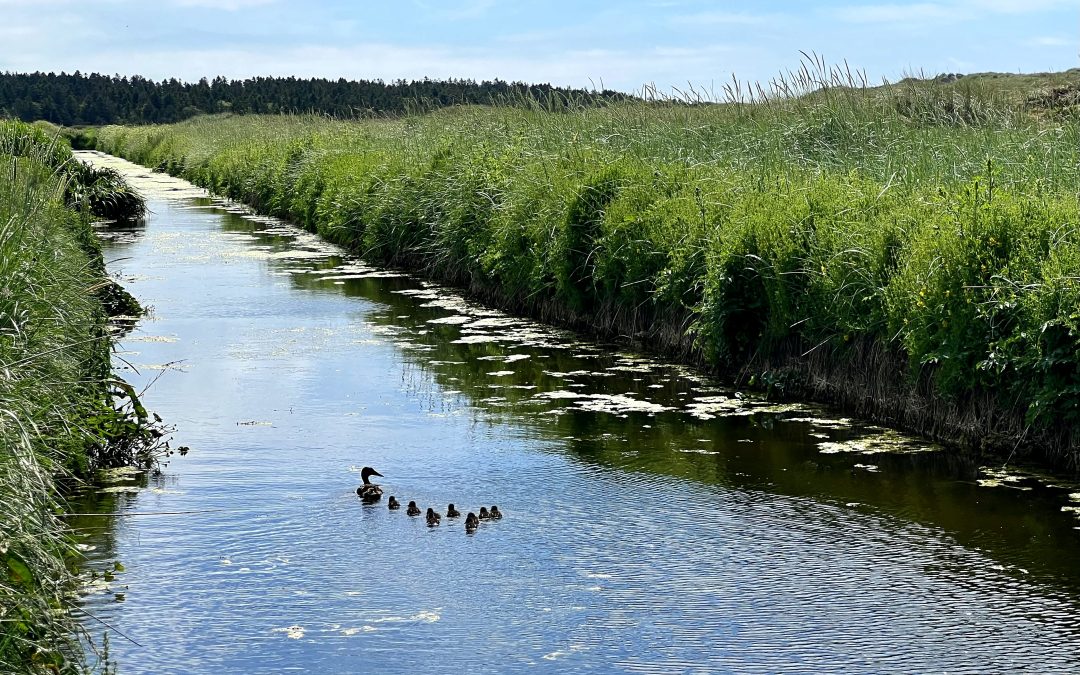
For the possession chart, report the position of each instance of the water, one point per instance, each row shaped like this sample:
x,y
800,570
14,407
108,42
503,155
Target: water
x,y
654,520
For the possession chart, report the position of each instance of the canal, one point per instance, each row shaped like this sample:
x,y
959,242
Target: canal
x,y
654,519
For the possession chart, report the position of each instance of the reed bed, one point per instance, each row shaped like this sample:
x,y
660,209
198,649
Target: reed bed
x,y
50,347
60,418
908,251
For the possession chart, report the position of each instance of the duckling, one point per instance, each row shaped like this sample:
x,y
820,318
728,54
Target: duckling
x,y
394,504
494,514
369,492
471,522
451,512
413,509
484,515
432,517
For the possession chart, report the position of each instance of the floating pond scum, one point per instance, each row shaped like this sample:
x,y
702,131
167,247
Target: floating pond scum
x,y
655,520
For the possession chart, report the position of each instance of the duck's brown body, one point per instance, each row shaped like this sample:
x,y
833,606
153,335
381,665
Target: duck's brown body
x,y
369,492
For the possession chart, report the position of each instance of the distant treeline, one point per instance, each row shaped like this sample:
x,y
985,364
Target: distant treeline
x,y
78,99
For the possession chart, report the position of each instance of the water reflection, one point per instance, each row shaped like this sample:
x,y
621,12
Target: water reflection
x,y
120,232
656,520
752,446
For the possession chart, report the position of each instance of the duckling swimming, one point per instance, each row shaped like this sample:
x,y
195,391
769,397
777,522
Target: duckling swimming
x,y
451,512
494,514
369,492
432,517
413,509
471,522
394,504
484,515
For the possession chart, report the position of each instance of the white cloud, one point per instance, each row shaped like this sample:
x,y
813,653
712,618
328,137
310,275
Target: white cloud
x,y
457,11
955,10
17,32
225,5
919,12
1050,41
1021,6
692,53
722,18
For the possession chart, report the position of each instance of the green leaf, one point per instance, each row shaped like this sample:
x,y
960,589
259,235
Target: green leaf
x,y
20,572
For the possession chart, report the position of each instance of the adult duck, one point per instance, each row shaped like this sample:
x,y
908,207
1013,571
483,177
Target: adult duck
x,y
369,492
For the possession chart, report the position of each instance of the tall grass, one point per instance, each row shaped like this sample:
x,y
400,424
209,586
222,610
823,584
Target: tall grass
x,y
59,414
910,251
51,348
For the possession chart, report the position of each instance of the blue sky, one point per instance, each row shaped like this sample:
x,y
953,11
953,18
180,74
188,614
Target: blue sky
x,y
620,43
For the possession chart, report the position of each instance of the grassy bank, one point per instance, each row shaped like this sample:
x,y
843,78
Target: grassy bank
x,y
909,252
61,414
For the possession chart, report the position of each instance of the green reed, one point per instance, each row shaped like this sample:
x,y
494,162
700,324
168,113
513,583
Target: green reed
x,y
62,415
801,220
51,347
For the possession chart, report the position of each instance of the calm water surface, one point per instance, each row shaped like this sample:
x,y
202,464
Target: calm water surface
x,y
654,520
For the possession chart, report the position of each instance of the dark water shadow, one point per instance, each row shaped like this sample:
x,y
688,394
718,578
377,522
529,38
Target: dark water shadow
x,y
1020,523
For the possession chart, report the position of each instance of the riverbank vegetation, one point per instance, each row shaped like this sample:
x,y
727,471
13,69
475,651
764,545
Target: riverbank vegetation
x,y
62,415
910,252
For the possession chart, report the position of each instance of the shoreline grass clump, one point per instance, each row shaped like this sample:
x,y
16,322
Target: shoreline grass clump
x,y
62,415
909,252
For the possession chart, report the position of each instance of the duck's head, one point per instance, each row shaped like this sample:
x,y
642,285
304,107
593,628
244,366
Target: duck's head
x,y
430,512
367,472
412,505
